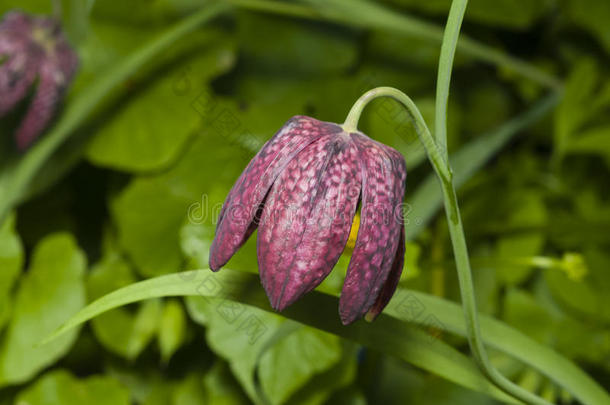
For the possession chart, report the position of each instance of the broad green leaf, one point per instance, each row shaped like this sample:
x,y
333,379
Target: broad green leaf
x,y
221,388
136,137
172,329
52,289
190,391
321,387
61,388
237,333
187,192
390,334
11,261
291,362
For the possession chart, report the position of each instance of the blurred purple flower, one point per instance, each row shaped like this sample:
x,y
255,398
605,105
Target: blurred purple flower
x,y
302,189
33,50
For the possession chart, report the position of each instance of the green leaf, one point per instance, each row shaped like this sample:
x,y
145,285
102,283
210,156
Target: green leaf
x,y
60,388
594,141
322,386
17,175
221,388
11,261
390,334
127,142
172,329
292,361
187,192
238,333
52,289
592,15
190,391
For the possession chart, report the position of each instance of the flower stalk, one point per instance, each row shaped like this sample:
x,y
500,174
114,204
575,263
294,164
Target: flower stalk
x,y
443,170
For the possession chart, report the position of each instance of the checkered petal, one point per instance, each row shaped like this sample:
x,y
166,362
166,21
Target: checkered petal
x,y
307,219
383,179
242,208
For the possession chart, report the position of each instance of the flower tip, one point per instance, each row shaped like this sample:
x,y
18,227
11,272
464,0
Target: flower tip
x,y
214,265
347,318
213,262
371,316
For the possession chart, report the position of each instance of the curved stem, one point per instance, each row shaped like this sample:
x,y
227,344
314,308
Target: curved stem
x,y
456,231
434,154
445,66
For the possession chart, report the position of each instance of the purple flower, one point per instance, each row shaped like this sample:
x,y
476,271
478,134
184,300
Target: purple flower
x,y
33,50
302,190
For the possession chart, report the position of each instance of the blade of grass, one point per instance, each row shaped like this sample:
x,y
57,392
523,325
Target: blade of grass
x,y
392,333
391,336
15,179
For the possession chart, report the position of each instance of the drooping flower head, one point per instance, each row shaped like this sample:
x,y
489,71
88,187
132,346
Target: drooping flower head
x,y
302,190
33,52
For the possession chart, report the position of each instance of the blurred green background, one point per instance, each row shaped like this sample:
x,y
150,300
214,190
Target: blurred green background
x,y
134,192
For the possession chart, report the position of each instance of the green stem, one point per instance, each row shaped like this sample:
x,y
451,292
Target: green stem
x,y
456,231
434,154
445,66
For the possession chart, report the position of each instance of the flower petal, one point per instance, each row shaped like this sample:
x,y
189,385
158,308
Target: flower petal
x,y
307,219
41,109
15,81
392,282
237,218
383,185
